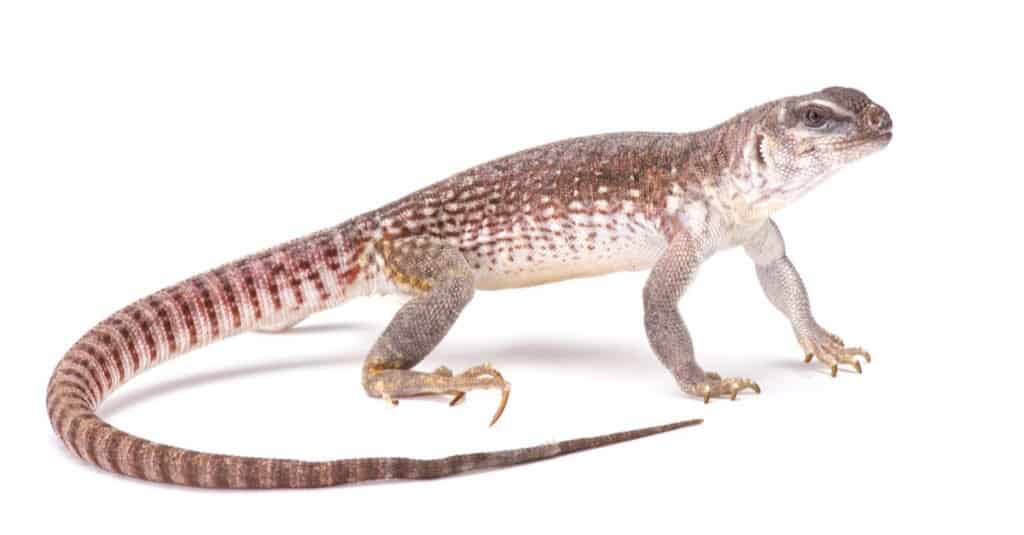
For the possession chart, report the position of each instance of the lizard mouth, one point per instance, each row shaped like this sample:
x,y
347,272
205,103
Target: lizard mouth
x,y
882,138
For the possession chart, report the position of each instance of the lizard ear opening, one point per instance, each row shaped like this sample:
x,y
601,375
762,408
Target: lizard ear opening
x,y
760,148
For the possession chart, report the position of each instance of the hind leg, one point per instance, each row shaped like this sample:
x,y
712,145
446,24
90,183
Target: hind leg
x,y
443,284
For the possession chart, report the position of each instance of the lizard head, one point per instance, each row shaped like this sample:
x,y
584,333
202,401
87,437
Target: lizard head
x,y
799,141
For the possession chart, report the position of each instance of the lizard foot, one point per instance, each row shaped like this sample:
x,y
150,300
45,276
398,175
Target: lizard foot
x,y
393,384
715,386
831,350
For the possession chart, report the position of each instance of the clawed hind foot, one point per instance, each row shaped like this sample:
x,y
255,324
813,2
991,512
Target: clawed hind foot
x,y
392,384
714,385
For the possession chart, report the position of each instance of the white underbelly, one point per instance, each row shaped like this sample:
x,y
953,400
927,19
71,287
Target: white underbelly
x,y
559,251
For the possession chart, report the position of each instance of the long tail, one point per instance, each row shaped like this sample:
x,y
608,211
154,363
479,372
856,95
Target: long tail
x,y
288,281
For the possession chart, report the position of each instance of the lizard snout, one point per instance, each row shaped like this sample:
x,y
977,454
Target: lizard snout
x,y
878,119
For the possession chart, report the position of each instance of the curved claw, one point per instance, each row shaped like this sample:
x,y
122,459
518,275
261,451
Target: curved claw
x,y
835,370
751,385
808,358
458,397
716,386
857,351
505,391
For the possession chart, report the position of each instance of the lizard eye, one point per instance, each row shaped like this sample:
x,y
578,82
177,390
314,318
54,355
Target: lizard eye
x,y
815,116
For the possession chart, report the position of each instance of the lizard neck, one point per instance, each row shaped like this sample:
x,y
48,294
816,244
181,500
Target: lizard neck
x,y
749,182
716,181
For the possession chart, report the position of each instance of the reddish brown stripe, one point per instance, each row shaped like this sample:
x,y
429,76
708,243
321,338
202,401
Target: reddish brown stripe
x,y
339,472
367,469
348,275
317,278
130,341
61,411
401,468
163,461
136,451
250,289
90,442
99,362
206,299
313,276
144,324
294,277
329,254
312,476
218,472
113,353
250,468
78,393
332,256
89,365
75,380
190,468
111,450
280,473
275,291
131,464
71,437
184,306
60,408
229,294
164,319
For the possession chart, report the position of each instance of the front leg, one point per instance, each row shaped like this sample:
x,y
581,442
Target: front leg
x,y
666,332
785,290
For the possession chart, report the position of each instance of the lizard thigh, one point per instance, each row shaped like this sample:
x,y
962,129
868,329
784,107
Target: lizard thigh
x,y
441,283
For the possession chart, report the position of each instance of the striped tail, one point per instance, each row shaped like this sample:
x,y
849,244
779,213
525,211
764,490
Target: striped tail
x,y
289,281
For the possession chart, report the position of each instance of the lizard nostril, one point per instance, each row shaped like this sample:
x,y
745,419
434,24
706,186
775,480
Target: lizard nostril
x,y
878,119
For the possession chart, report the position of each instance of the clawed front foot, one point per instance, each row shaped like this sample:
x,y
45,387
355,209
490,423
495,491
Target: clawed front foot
x,y
831,350
393,384
714,385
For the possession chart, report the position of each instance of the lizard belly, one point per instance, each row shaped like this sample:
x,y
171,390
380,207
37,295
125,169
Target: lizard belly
x,y
555,250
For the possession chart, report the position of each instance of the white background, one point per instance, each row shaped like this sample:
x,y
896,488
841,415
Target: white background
x,y
140,144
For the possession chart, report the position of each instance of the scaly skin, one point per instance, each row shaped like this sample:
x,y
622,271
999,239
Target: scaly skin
x,y
579,207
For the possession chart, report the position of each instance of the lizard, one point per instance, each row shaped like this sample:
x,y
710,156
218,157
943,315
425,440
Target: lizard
x,y
579,207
